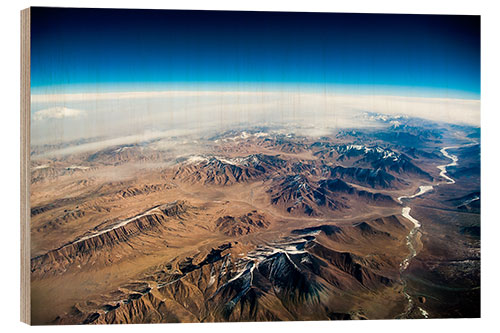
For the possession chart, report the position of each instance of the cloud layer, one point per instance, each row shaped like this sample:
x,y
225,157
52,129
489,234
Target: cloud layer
x,y
449,110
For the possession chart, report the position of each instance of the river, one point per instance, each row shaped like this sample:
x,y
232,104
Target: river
x,y
411,237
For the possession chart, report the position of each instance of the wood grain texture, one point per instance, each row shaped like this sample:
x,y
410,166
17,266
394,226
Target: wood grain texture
x,y
25,162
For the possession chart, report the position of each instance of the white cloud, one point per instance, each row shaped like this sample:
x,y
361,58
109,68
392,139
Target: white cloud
x,y
58,112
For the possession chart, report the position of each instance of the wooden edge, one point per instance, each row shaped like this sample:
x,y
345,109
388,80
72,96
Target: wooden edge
x,y
25,163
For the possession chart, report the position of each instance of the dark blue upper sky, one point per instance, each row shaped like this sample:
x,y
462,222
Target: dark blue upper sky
x,y
105,49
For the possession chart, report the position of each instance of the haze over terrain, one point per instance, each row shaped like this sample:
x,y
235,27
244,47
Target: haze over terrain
x,y
106,117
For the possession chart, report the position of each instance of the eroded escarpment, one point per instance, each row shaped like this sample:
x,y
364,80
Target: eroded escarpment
x,y
107,236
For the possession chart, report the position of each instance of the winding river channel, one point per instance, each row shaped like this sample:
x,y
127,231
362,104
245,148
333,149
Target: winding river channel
x,y
411,238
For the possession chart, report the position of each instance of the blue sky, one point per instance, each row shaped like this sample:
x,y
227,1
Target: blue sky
x,y
75,50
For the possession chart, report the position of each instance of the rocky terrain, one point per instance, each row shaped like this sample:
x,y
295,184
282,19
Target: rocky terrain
x,y
260,224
